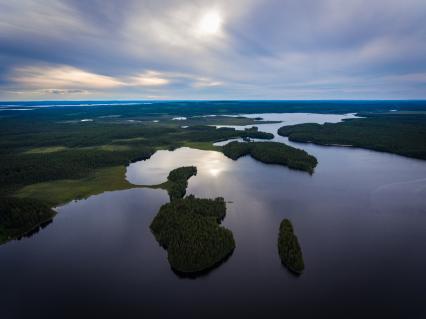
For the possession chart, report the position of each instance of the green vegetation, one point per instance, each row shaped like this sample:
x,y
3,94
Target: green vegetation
x,y
49,155
272,153
399,134
189,229
168,109
31,153
177,181
19,216
289,248
59,192
205,146
19,170
53,158
42,150
181,174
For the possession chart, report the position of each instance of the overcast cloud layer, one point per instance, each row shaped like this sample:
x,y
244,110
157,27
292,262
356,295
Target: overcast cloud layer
x,y
241,49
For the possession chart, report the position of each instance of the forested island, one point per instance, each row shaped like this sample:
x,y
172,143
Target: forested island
x,y
272,153
19,216
289,248
177,181
399,133
189,228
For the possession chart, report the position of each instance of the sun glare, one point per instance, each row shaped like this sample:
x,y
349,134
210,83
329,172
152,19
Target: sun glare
x,y
210,23
214,172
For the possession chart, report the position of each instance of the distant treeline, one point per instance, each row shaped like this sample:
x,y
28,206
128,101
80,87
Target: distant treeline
x,y
191,108
272,153
401,134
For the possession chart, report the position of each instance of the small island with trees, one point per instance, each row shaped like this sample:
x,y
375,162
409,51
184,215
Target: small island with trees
x,y
272,153
289,248
177,181
189,228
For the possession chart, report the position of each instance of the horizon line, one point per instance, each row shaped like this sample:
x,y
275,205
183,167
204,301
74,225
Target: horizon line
x,y
217,100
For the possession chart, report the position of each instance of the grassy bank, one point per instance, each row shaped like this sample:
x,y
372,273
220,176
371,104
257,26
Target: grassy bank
x,y
60,192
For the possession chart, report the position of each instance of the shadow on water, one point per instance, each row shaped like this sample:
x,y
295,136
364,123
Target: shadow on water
x,y
295,274
202,273
35,230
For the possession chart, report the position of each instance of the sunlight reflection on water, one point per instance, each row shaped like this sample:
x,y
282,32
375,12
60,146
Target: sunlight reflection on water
x,y
156,169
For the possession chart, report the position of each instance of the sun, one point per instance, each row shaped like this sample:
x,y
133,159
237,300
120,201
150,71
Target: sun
x,y
210,23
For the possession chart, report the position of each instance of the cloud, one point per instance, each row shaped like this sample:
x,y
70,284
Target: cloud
x,y
205,82
190,49
62,77
149,78
67,80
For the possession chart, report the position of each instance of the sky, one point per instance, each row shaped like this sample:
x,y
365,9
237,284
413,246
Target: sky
x,y
213,49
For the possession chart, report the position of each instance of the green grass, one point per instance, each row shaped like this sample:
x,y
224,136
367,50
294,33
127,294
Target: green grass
x,y
45,150
204,146
63,191
53,149
126,140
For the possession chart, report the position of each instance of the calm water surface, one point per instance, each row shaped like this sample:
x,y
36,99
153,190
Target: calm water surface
x,y
360,219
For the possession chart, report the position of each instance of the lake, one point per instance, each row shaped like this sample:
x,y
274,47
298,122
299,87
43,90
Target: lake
x,y
360,219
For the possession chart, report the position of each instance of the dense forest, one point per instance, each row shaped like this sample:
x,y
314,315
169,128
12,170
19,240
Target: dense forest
x,y
189,229
21,215
272,153
402,134
177,181
289,248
